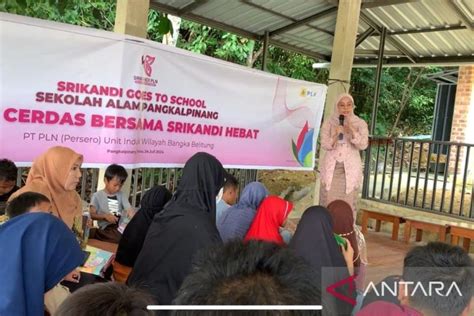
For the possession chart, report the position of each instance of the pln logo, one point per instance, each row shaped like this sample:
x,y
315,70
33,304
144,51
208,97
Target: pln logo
x,y
147,61
307,93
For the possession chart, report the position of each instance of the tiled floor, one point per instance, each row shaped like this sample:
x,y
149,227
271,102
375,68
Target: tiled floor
x,y
385,255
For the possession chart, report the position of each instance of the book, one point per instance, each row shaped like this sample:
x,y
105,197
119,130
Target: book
x,y
99,260
340,241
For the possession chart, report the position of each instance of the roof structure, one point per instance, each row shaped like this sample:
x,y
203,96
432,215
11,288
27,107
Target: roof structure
x,y
418,32
448,76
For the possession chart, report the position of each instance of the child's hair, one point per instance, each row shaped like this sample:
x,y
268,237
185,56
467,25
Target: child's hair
x,y
110,298
24,202
231,182
116,171
8,170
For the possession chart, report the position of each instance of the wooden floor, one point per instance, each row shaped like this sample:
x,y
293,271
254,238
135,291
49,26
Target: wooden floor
x,y
385,255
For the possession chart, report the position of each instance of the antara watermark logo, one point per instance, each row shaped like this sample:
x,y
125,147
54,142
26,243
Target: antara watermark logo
x,y
393,288
410,288
147,62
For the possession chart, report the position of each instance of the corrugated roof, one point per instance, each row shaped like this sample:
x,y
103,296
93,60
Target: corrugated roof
x,y
418,32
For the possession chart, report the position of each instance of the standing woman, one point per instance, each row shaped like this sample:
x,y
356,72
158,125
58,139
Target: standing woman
x,y
56,174
341,168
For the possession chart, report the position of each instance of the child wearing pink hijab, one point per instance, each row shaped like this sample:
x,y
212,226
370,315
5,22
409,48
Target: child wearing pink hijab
x,y
343,136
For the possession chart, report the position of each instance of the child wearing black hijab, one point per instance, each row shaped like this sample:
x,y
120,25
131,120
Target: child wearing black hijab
x,y
134,234
186,225
314,241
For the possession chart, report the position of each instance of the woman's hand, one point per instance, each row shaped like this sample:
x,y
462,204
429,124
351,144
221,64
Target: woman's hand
x,y
349,130
73,276
340,130
348,253
335,134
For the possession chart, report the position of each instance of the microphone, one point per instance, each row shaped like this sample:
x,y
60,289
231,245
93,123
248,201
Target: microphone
x,y
341,122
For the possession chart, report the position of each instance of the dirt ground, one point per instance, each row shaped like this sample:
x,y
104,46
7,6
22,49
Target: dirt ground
x,y
295,186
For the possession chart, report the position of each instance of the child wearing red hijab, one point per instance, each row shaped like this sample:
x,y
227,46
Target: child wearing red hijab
x,y
271,215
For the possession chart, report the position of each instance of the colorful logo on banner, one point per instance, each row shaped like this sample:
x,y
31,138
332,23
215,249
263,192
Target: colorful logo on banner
x,y
303,148
147,61
308,93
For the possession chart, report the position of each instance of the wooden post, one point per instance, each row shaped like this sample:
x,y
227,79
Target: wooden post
x,y
343,49
132,17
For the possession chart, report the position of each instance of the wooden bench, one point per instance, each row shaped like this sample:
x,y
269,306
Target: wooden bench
x,y
462,231
421,223
382,216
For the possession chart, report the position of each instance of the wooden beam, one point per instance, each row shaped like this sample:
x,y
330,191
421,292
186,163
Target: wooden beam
x,y
392,41
374,52
262,8
299,50
421,62
320,29
289,18
441,28
362,37
192,6
461,14
304,21
368,4
196,18
199,19
308,42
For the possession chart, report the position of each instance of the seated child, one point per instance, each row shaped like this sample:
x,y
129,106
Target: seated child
x,y
28,202
8,172
229,195
109,205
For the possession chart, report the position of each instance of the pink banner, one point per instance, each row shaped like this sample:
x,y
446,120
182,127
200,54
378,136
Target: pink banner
x,y
125,100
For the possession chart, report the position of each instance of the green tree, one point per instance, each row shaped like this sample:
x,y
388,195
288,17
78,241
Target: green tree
x,y
414,111
94,14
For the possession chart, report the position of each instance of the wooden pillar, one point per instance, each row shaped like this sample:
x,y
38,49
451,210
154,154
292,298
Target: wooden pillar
x,y
132,17
343,49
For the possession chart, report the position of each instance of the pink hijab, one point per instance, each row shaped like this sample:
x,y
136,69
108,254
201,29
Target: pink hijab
x,y
48,176
335,116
